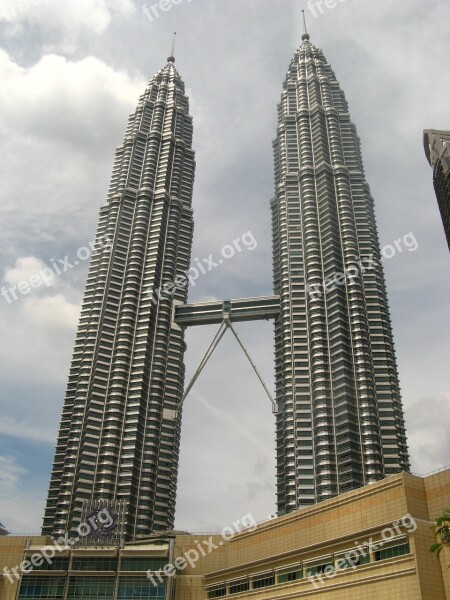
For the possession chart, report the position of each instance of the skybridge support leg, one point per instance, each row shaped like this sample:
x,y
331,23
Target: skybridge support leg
x,y
216,340
226,324
258,374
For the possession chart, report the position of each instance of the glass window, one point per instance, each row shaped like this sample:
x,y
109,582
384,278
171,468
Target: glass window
x,y
264,581
345,563
98,588
217,592
99,563
291,576
318,569
42,588
57,564
392,552
140,588
143,564
239,586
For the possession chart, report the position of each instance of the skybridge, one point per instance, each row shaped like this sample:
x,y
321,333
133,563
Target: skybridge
x,y
224,313
215,312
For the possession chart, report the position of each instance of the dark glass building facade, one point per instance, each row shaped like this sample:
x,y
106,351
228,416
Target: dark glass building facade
x,y
437,150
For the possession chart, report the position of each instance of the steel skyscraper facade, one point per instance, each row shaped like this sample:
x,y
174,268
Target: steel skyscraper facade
x,y
340,424
119,434
338,408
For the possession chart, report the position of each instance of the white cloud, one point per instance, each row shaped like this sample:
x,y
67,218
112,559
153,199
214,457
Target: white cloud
x,y
10,474
67,16
52,311
60,122
68,101
18,514
26,431
428,424
40,328
24,268
47,311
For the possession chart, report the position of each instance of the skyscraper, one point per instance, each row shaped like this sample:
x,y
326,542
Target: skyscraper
x,y
340,424
118,442
338,408
437,150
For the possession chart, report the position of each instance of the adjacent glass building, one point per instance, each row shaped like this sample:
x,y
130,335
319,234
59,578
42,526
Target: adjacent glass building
x,y
340,423
119,438
437,150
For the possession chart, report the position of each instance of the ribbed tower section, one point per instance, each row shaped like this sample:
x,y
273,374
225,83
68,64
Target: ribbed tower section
x,y
341,422
119,435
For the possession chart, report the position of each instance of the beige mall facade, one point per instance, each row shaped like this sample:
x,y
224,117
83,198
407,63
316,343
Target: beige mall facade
x,y
372,543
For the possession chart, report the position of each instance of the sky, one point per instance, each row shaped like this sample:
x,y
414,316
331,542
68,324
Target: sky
x,y
70,74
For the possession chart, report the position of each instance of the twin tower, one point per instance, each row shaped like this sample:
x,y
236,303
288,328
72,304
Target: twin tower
x,y
339,417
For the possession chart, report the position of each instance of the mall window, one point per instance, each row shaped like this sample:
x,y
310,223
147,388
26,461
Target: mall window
x,y
392,551
98,563
264,581
143,564
42,588
217,592
239,586
327,567
140,588
352,561
100,588
56,564
290,576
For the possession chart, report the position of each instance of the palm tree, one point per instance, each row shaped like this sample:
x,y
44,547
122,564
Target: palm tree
x,y
441,526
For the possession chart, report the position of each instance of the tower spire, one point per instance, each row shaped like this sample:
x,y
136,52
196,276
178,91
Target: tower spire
x,y
172,51
305,35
